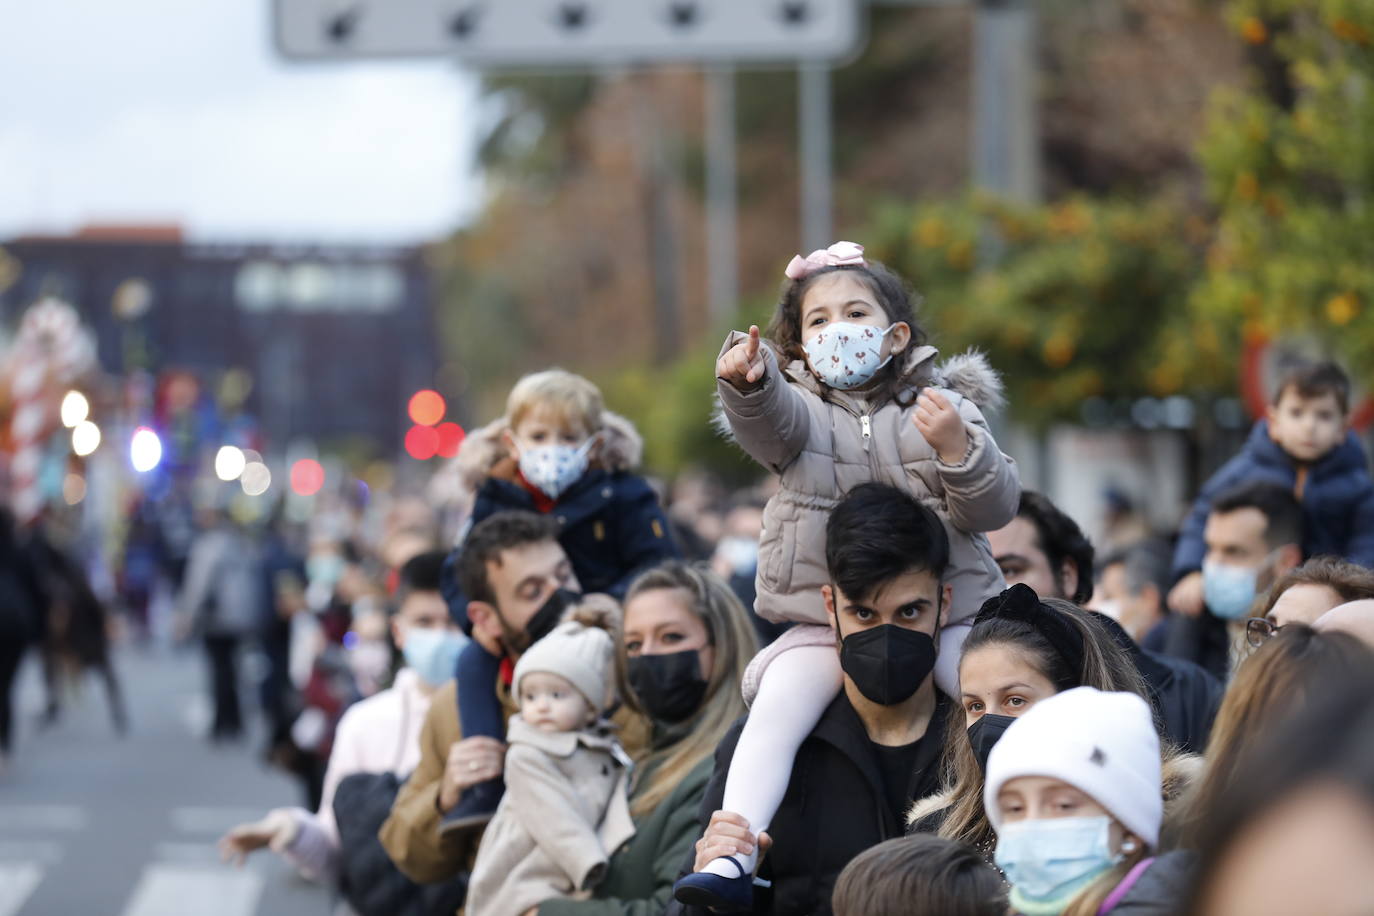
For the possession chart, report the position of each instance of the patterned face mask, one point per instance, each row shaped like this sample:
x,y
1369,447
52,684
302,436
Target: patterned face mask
x,y
555,468
845,355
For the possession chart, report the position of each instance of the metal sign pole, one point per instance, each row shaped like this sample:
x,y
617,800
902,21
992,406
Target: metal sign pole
x,y
722,231
813,115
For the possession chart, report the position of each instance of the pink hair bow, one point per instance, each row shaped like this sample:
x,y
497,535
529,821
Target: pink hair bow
x,y
840,254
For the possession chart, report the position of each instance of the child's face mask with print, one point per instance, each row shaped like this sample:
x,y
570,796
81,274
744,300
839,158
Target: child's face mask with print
x,y
846,334
552,454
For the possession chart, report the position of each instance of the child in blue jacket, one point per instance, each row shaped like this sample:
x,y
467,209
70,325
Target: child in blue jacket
x,y
556,451
1306,446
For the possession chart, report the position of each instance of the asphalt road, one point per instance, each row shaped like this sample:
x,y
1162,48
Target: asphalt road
x,y
92,823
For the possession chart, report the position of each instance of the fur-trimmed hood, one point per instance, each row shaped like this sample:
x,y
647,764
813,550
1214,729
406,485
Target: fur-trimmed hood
x,y
483,455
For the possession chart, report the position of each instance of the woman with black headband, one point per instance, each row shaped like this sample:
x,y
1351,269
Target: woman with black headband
x,y
1021,650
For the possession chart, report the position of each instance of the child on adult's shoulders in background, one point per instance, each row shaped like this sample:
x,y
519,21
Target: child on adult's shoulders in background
x,y
566,809
556,451
1306,445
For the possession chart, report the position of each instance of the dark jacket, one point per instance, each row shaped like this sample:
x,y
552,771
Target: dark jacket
x,y
612,527
834,809
639,879
1185,695
1337,497
1163,888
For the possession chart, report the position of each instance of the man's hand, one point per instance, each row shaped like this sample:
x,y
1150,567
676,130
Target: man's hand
x,y
1186,596
277,830
941,425
470,761
743,365
726,835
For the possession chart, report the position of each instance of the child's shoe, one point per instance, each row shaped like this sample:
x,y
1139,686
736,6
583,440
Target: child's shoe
x,y
475,807
708,890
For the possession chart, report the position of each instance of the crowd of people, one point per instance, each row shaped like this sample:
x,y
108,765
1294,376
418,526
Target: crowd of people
x,y
890,680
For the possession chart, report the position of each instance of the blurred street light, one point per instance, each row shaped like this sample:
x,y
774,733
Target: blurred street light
x,y
229,463
427,407
75,408
422,442
85,438
307,477
256,479
145,450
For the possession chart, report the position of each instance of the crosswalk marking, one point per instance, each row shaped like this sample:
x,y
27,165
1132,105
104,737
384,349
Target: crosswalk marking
x,y
166,890
17,883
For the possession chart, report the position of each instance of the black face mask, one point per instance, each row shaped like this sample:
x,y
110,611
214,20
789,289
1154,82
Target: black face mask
x,y
670,686
888,663
985,733
543,621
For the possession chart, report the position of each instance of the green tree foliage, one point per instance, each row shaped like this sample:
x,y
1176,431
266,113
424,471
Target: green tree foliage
x,y
1290,170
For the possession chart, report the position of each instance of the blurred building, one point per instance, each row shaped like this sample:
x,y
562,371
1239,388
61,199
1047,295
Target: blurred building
x,y
335,338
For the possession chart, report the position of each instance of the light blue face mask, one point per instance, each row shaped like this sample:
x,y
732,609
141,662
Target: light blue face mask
x,y
432,653
1228,591
1049,862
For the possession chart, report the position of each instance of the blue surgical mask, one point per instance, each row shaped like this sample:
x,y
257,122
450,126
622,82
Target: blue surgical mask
x,y
1228,591
1049,862
432,653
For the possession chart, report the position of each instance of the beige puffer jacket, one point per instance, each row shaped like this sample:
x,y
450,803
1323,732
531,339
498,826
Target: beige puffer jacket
x,y
823,447
565,811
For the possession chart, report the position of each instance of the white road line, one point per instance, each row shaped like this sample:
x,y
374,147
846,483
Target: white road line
x,y
43,817
174,890
212,820
17,883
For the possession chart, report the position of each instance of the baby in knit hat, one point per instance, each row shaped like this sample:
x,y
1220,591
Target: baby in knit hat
x,y
566,807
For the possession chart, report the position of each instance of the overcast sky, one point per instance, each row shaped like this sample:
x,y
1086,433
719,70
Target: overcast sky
x,y
179,111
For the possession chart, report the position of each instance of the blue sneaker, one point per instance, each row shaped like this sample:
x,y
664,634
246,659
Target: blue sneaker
x,y
730,895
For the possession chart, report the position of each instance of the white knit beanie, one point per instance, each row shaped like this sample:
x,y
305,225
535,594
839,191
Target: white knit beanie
x,y
1103,744
584,655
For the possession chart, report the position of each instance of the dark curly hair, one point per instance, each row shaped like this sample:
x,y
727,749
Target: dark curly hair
x,y
899,302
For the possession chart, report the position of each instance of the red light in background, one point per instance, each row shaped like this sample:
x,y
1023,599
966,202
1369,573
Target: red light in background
x,y
307,477
427,407
422,442
450,437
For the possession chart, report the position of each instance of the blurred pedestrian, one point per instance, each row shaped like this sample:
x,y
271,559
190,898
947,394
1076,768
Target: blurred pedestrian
x,y
1305,446
22,623
1253,536
1305,593
376,735
847,392
1293,832
560,453
219,604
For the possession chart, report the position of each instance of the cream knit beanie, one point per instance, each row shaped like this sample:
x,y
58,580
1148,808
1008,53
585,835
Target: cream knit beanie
x,y
581,654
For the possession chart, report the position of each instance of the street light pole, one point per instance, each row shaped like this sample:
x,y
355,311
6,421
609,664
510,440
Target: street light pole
x,y
813,115
722,233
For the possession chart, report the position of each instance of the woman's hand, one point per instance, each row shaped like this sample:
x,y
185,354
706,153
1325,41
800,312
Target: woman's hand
x,y
726,835
470,761
277,830
941,425
743,365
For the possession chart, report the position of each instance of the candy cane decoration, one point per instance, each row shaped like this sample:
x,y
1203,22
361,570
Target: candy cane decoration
x,y
51,351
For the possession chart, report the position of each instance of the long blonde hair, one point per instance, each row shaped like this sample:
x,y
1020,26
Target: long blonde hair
x,y
1105,666
732,636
